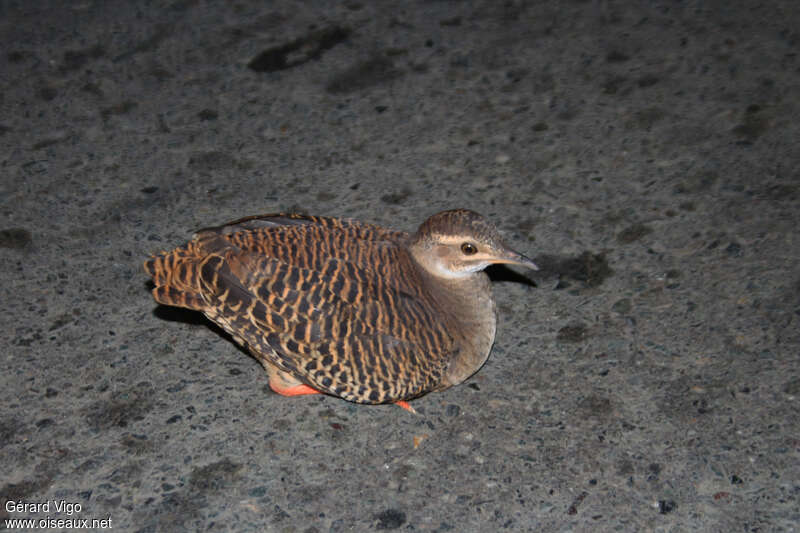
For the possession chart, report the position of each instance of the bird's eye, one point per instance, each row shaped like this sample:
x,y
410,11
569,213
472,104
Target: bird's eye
x,y
468,248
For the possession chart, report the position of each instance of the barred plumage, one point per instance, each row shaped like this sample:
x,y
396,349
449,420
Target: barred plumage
x,y
351,309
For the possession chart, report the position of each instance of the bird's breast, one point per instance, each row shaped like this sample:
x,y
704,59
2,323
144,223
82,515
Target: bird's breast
x,y
469,308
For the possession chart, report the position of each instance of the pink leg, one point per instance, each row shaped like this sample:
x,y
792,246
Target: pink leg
x,y
296,390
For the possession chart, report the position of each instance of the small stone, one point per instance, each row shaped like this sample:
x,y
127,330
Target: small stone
x,y
390,519
622,306
615,56
666,506
453,410
792,387
258,492
575,333
633,233
45,422
16,238
734,249
207,114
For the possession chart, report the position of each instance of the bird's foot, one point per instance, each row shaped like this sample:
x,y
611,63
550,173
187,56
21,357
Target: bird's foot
x,y
287,385
404,404
293,390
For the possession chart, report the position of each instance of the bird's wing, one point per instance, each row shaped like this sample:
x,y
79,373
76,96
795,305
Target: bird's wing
x,y
328,302
355,228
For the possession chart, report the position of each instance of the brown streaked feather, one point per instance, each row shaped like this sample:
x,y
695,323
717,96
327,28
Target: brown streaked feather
x,y
301,293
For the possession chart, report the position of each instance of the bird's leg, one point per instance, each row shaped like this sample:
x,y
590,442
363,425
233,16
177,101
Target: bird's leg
x,y
297,390
405,405
286,385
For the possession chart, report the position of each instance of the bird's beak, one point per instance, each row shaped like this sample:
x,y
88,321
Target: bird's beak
x,y
510,257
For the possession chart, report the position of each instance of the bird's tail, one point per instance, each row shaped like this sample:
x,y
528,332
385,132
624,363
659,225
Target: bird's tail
x,y
176,277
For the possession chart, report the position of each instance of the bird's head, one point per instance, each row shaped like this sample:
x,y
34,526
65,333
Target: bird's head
x,y
454,244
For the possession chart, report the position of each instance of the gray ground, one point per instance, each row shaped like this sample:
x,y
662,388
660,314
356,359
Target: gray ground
x,y
645,153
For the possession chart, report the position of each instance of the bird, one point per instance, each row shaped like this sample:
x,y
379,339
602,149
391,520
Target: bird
x,y
342,307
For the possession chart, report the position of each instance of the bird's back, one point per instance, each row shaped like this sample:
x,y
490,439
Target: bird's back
x,y
338,304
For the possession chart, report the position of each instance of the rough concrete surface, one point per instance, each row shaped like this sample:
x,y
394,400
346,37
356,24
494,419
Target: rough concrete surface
x,y
644,153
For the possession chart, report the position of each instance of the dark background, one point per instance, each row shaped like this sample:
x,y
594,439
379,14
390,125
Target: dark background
x,y
645,153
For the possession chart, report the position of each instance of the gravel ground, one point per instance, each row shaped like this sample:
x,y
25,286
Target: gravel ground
x,y
644,153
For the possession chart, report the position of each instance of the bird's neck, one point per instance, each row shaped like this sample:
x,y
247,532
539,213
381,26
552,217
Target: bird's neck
x,y
467,302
